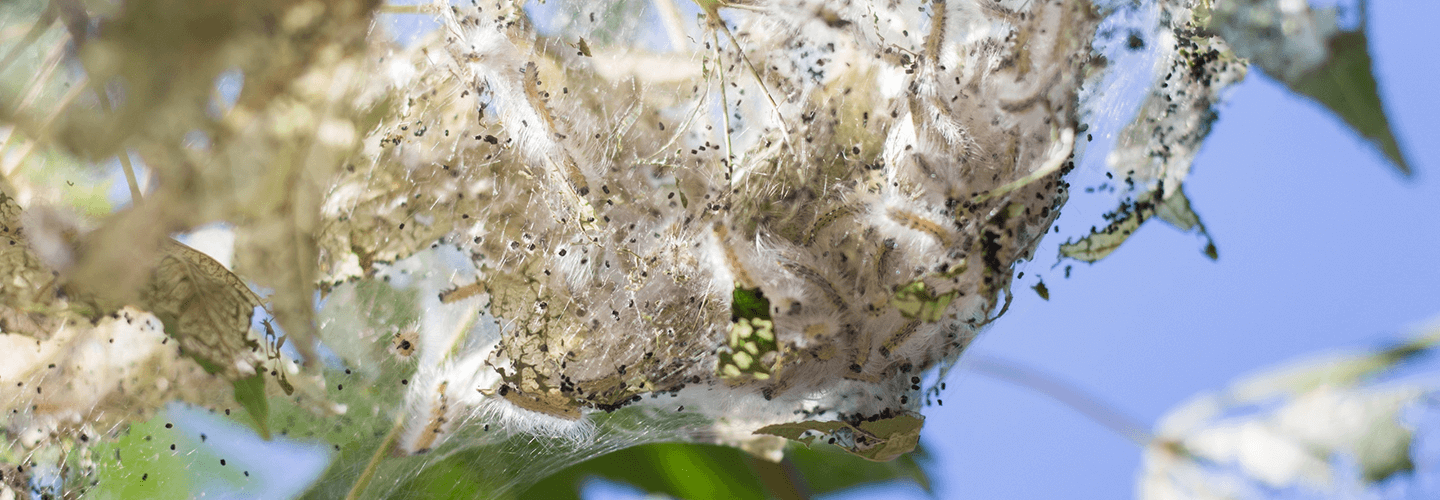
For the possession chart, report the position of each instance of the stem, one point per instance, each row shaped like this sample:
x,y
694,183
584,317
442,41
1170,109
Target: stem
x,y
47,18
124,155
725,115
1077,399
388,443
130,178
1052,163
774,106
33,90
363,481
670,17
44,127
391,8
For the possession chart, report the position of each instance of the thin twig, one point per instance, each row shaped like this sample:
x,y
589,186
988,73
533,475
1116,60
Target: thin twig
x,y
60,107
124,155
135,195
670,17
381,451
392,8
1077,399
1053,163
725,114
774,106
47,18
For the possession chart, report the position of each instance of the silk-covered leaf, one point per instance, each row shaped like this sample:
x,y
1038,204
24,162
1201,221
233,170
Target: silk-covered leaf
x,y
206,308
804,432
28,288
881,439
1155,151
140,464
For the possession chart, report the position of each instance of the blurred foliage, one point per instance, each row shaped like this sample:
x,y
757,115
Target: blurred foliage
x,y
1330,424
1345,85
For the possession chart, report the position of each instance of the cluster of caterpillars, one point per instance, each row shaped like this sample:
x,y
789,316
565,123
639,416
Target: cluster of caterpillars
x,y
777,230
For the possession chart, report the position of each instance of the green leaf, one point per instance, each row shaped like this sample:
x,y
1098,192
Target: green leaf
x,y
250,393
749,303
1346,85
694,471
917,301
1100,244
138,466
829,469
680,470
142,462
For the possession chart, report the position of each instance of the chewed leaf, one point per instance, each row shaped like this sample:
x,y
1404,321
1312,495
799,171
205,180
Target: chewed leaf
x,y
1100,244
206,307
899,435
796,431
1174,209
1345,84
881,440
749,303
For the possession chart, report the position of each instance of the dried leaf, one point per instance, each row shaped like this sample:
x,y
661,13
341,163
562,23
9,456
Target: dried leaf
x,y
207,308
27,286
880,439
